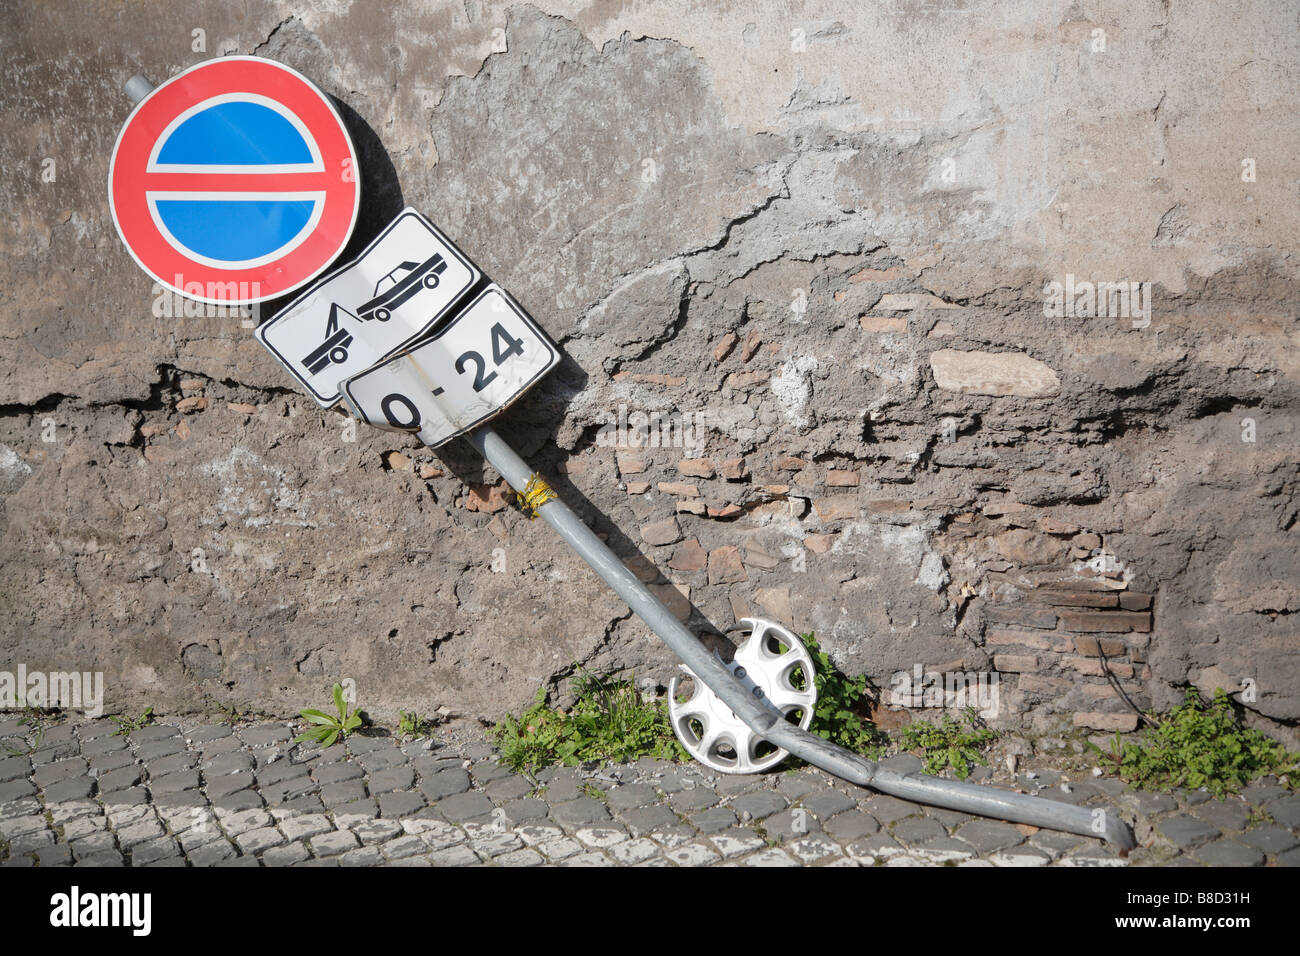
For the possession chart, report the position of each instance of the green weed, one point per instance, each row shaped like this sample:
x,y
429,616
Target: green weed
x,y
949,744
328,728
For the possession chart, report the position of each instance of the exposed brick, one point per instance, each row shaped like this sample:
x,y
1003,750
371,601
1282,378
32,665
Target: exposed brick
x,y
1035,639
752,342
1036,684
724,346
725,566
1087,541
1015,663
1134,601
696,467
638,487
1106,622
746,379
642,567
878,275
790,463
734,469
756,557
487,498
776,601
775,489
882,506
1124,723
689,557
837,507
691,506
874,323
190,405
726,511
428,471
675,597
1091,666
1096,646
242,408
629,464
1077,598
681,489
1022,616
1056,526
1102,690
662,532
838,478
819,543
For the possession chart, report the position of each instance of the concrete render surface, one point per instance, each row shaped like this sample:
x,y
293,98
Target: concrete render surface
x,y
190,793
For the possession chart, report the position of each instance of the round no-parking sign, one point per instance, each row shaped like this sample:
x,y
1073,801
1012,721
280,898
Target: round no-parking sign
x,y
234,182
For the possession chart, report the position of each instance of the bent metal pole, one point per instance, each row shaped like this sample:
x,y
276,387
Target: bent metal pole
x,y
764,719
759,715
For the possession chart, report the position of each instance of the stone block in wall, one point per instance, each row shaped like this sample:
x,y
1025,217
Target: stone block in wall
x,y
1107,622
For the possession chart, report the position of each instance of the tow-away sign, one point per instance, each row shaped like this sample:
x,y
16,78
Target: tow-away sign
x,y
483,360
394,293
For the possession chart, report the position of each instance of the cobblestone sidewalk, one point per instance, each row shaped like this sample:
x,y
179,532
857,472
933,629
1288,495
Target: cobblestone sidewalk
x,y
178,794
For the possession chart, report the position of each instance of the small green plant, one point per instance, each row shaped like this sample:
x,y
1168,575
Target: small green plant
x,y
34,719
1199,744
843,711
608,721
589,789
410,724
329,728
126,725
949,744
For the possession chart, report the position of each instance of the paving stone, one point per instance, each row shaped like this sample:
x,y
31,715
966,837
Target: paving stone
x,y
57,855
527,810
239,800
643,820
813,848
796,786
693,854
889,810
438,834
485,771
1289,858
106,763
943,850
210,854
106,858
902,763
1263,791
445,783
1186,831
601,837
489,845
16,789
282,770
986,836
339,772
1091,858
1272,840
222,764
103,745
579,812
14,768
124,814
948,818
220,746
713,820
734,784
509,788
83,826
293,788
377,831
631,795
536,834
913,831
174,782
385,758
1020,856
52,773
93,844
633,851
1286,811
770,857
27,823
851,825
153,733
71,810
259,840
393,778
264,735
296,827
460,807
31,841
560,849
358,811
736,842
235,822
333,843
522,857
228,783
394,805
1055,842
173,764
337,794
160,748
286,855
208,733
697,798
139,832
1229,853
403,846
1148,804
454,856
362,856
760,804
149,851
791,824
74,788
828,803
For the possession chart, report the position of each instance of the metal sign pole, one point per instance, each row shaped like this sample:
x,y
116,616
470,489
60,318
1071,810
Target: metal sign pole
x,y
747,701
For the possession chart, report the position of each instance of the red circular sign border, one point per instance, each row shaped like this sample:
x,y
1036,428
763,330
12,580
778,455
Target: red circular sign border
x,y
151,117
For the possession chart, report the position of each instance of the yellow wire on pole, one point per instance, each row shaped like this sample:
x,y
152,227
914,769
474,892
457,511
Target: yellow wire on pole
x,y
535,494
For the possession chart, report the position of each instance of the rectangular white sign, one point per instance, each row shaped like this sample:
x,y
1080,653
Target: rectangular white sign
x,y
470,370
394,293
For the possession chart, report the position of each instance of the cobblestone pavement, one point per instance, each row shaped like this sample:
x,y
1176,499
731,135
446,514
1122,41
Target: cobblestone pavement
x,y
182,793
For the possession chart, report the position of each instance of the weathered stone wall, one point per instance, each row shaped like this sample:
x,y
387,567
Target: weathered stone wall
x,y
814,245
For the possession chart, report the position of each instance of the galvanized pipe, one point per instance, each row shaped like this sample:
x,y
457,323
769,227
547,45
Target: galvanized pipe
x,y
764,719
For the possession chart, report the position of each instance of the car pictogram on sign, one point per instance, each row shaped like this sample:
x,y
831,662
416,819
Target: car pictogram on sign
x,y
334,350
390,292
